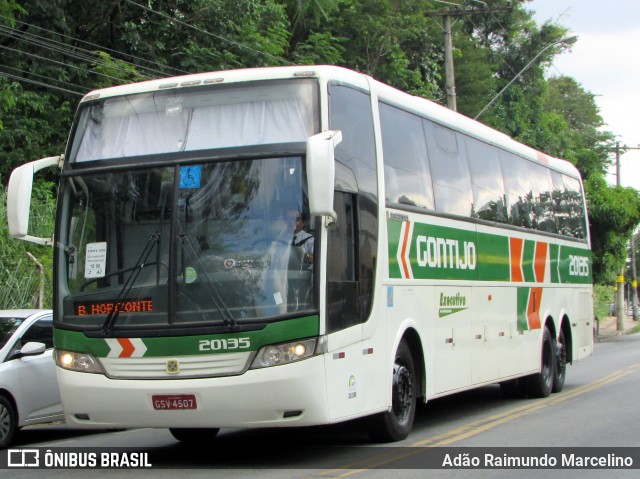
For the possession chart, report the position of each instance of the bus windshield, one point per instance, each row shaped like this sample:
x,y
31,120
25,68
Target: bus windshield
x,y
186,244
196,118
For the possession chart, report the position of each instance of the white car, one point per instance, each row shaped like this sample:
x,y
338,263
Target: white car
x,y
29,392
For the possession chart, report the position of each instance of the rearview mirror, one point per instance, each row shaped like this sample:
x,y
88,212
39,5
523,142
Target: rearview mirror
x,y
321,172
19,198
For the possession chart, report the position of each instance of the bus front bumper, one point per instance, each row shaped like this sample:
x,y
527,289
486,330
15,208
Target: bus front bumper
x,y
287,395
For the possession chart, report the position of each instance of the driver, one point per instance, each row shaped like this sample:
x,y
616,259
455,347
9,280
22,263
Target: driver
x,y
303,239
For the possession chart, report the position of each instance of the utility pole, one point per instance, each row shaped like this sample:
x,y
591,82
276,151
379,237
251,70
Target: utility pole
x,y
446,14
449,73
634,279
40,268
620,279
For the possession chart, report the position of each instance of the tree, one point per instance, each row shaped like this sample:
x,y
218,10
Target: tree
x,y
55,51
614,213
571,127
18,274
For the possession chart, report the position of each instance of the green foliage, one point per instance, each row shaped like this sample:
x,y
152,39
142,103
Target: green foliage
x,y
8,8
34,124
614,212
475,78
111,69
392,41
571,127
603,296
18,273
69,47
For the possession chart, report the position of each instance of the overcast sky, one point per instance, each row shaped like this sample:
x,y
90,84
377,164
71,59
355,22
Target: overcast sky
x,y
606,62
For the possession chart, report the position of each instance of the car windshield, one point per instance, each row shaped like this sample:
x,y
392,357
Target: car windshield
x,y
8,326
186,244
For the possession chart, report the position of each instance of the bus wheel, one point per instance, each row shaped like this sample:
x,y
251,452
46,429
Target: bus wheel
x,y
194,435
539,385
561,364
396,424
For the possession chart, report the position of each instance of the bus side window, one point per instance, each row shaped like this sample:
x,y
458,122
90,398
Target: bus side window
x,y
407,176
350,112
449,170
486,181
342,284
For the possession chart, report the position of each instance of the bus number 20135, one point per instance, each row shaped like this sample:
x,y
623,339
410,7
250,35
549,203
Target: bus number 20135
x,y
224,344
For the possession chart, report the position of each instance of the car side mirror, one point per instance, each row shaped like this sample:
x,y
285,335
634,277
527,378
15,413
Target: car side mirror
x,y
32,348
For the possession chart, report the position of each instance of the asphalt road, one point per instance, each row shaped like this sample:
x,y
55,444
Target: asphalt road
x,y
598,408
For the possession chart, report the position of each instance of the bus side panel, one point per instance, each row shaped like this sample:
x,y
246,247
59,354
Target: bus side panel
x,y
497,345
451,339
583,321
355,378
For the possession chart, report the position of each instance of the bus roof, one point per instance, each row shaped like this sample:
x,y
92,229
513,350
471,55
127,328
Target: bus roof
x,y
386,93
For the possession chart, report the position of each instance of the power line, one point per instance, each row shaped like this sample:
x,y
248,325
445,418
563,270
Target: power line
x,y
446,14
100,47
219,37
35,82
70,51
45,77
119,80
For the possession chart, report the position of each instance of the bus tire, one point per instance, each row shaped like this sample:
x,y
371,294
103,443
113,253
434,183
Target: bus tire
x,y
396,424
560,371
540,385
194,435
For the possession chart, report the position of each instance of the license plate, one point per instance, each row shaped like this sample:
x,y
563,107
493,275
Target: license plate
x,y
174,401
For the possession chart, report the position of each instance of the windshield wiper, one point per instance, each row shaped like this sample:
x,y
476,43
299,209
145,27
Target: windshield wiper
x,y
112,317
227,315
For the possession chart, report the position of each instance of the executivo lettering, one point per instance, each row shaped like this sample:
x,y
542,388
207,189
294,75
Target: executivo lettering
x,y
457,300
445,253
451,304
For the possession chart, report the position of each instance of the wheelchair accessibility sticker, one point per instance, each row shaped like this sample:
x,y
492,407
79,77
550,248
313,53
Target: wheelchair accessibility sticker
x,y
190,176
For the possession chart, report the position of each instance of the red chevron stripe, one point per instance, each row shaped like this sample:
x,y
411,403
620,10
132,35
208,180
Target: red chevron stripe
x,y
516,246
405,243
533,308
540,261
127,347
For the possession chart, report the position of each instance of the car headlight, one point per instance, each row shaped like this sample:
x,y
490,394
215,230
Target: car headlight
x,y
81,362
277,354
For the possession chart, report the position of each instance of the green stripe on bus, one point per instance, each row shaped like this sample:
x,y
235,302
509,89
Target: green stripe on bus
x,y
393,231
523,302
575,265
555,258
527,261
440,252
273,333
493,258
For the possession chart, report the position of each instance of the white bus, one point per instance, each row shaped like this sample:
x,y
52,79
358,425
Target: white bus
x,y
432,255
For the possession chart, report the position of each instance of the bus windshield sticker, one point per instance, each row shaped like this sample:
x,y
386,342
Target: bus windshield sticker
x,y
277,297
95,260
190,176
190,275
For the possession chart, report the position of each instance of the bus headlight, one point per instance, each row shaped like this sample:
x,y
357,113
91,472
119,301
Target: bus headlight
x,y
277,354
81,362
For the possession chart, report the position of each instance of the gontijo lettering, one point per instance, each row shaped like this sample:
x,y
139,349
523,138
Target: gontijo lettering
x,y
445,253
